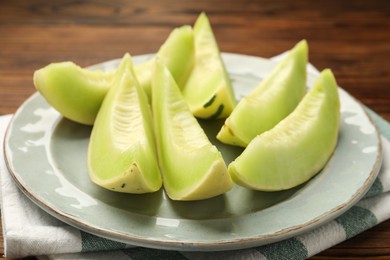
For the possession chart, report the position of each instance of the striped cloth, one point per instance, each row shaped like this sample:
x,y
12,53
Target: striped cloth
x,y
30,231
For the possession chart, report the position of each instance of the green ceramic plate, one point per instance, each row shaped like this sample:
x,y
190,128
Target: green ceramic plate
x,y
47,156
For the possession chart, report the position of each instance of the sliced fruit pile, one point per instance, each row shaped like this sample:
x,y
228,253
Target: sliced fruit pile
x,y
145,133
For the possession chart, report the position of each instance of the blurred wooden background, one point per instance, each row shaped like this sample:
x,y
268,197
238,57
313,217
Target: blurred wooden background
x,y
350,37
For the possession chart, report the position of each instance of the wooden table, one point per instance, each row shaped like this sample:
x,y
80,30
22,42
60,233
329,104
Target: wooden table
x,y
350,37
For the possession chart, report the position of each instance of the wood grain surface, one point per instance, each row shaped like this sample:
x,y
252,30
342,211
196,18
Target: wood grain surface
x,y
350,37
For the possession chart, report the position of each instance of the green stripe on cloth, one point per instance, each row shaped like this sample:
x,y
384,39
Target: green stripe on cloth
x,y
141,253
287,249
356,220
375,189
91,243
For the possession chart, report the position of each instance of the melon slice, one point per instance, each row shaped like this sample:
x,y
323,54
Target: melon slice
x,y
208,91
192,168
121,153
75,92
271,101
78,93
177,54
298,147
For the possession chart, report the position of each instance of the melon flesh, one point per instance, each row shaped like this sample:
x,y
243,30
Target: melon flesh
x,y
298,147
78,93
177,54
121,152
192,168
208,91
74,92
270,101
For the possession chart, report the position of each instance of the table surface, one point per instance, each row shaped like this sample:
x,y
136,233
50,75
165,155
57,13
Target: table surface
x,y
350,37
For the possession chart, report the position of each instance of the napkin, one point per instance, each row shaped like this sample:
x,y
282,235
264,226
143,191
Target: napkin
x,y
28,230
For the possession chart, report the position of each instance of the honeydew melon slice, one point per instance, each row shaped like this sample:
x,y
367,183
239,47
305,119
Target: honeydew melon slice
x,y
272,100
75,92
208,91
192,168
78,93
298,147
177,53
121,153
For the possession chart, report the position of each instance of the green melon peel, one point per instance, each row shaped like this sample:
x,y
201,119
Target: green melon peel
x,y
121,152
298,147
271,101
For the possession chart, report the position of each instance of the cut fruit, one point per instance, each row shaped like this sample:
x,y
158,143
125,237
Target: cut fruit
x,y
298,147
177,53
74,92
78,93
121,154
270,102
208,91
192,168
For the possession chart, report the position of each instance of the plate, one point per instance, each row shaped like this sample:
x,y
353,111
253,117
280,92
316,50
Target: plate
x,y
47,156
